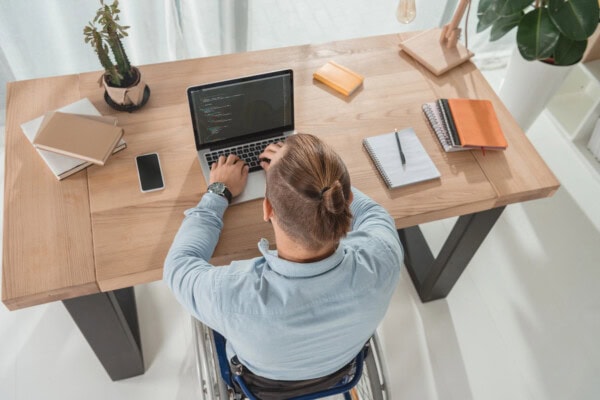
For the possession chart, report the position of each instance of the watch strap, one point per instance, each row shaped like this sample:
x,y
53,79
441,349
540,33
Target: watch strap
x,y
220,189
227,195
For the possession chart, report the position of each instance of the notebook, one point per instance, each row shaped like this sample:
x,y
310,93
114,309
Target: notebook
x,y
64,166
242,116
78,136
449,121
438,125
383,150
473,122
338,77
477,124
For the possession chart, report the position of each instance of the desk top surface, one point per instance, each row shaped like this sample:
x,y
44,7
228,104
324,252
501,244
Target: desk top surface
x,y
95,231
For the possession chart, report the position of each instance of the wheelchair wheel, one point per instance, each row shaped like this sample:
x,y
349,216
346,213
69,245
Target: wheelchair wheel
x,y
371,386
373,383
212,386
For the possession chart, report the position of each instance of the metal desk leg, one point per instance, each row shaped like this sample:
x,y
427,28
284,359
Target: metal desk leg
x,y
434,277
109,323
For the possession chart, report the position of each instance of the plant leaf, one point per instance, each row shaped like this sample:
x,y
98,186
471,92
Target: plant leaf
x,y
569,52
484,5
503,25
576,19
511,7
487,14
537,35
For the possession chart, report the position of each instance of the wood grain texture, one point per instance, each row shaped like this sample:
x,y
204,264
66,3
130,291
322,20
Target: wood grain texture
x,y
437,57
132,231
47,242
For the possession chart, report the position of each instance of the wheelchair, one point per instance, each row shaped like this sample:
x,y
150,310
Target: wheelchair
x,y
367,379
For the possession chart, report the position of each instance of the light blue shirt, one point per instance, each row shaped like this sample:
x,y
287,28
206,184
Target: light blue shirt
x,y
287,320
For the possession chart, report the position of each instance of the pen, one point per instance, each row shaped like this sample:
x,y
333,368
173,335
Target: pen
x,y
402,157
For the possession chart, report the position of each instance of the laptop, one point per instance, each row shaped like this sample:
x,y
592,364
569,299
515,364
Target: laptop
x,y
242,116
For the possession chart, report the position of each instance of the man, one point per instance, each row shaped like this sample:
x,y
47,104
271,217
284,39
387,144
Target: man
x,y
305,310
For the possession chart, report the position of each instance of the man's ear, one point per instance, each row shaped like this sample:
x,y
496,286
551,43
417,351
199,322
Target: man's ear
x,y
267,210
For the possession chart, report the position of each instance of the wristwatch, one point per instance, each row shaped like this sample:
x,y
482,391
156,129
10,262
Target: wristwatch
x,y
220,189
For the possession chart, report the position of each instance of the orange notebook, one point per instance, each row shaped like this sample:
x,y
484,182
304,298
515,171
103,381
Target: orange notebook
x,y
477,124
339,78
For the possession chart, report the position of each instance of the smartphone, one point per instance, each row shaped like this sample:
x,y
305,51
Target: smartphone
x,y
149,172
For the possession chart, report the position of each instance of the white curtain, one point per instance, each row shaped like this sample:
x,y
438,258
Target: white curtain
x,y
41,38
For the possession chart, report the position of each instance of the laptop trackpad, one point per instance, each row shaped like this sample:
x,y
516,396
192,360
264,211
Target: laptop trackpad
x,y
255,188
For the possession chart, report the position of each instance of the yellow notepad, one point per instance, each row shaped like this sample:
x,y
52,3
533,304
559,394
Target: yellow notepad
x,y
339,78
78,136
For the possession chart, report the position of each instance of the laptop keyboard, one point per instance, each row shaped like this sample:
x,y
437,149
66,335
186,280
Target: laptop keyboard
x,y
247,152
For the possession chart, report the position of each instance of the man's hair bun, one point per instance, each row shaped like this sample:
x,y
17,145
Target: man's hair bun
x,y
333,199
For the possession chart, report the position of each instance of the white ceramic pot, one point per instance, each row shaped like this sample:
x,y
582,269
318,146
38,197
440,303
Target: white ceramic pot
x,y
131,96
528,86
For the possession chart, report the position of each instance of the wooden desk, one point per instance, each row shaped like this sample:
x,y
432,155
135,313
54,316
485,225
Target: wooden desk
x,y
95,232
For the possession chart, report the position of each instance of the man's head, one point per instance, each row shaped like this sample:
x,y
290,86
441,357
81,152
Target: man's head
x,y
308,188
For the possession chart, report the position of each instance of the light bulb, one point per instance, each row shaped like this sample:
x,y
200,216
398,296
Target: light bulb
x,y
406,11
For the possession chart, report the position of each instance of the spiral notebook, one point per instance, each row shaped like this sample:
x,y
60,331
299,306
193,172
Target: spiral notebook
x,y
465,124
435,117
383,150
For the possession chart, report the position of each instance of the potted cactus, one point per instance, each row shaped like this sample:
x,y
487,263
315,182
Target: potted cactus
x,y
124,88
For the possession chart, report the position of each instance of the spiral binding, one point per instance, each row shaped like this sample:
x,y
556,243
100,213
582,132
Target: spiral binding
x,y
377,163
433,117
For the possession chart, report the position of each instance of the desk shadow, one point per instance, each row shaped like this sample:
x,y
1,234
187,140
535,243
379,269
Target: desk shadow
x,y
421,348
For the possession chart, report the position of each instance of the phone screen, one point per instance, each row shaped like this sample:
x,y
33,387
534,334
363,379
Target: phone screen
x,y
149,172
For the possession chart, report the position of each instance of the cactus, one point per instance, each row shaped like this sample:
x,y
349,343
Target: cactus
x,y
104,33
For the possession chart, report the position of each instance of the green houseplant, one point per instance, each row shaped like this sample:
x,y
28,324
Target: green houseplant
x,y
124,88
555,31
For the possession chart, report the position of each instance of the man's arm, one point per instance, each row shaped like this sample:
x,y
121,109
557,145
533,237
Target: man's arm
x,y
187,270
372,218
196,239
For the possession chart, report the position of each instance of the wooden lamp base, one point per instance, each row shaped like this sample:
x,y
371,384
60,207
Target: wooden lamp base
x,y
435,56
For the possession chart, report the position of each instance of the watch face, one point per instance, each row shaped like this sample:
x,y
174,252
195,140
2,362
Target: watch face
x,y
220,189
217,187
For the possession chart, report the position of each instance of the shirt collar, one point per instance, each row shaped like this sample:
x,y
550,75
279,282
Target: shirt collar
x,y
299,270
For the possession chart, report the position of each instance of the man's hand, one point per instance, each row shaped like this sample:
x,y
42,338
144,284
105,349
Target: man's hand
x,y
232,171
271,155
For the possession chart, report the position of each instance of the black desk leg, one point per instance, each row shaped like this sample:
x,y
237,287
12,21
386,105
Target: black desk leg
x,y
109,323
434,277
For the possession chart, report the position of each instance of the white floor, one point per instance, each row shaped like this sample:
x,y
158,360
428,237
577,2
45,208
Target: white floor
x,y
523,322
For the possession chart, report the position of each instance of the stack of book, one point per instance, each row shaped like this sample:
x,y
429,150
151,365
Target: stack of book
x,y
74,137
465,124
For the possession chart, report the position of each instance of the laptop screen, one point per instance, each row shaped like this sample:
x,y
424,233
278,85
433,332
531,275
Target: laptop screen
x,y
250,106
